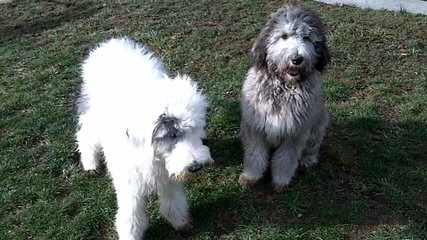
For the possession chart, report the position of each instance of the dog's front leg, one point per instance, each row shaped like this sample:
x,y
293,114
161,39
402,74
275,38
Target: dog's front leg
x,y
131,219
284,162
174,206
255,159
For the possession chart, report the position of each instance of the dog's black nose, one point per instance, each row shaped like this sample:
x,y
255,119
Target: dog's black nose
x,y
297,60
194,167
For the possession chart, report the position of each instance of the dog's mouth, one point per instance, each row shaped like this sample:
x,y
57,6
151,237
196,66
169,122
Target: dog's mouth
x,y
293,72
289,72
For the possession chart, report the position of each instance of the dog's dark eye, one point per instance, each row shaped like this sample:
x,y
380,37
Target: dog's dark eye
x,y
173,135
284,36
306,38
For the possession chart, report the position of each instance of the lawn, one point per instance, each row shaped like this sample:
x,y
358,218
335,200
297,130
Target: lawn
x,y
371,182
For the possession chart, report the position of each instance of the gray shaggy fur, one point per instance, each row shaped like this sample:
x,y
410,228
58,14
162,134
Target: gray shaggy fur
x,y
283,106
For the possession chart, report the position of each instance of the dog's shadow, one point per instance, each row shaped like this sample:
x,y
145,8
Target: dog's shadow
x,y
223,133
368,175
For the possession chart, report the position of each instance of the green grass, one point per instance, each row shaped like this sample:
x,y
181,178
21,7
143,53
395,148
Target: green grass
x,y
371,182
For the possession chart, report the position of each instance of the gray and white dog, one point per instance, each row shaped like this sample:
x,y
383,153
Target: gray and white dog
x,y
283,105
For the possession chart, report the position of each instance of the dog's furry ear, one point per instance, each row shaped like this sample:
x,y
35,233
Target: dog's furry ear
x,y
259,49
323,56
166,129
320,46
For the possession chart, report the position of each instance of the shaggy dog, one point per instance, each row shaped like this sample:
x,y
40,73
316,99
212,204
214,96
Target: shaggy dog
x,y
283,106
148,125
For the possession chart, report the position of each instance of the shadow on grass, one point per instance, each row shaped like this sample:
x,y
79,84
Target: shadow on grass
x,y
224,144
72,12
370,173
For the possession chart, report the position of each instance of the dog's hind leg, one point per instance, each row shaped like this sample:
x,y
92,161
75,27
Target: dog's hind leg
x,y
174,206
312,146
88,145
255,159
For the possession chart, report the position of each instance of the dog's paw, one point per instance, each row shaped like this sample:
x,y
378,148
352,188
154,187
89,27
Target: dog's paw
x,y
309,161
247,182
280,188
185,231
92,172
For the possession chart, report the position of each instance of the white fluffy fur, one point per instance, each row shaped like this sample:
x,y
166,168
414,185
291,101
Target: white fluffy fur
x,y
125,89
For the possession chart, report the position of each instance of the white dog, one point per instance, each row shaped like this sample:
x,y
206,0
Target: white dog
x,y
149,127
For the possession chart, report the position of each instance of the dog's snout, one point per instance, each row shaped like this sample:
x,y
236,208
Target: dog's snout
x,y
297,60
